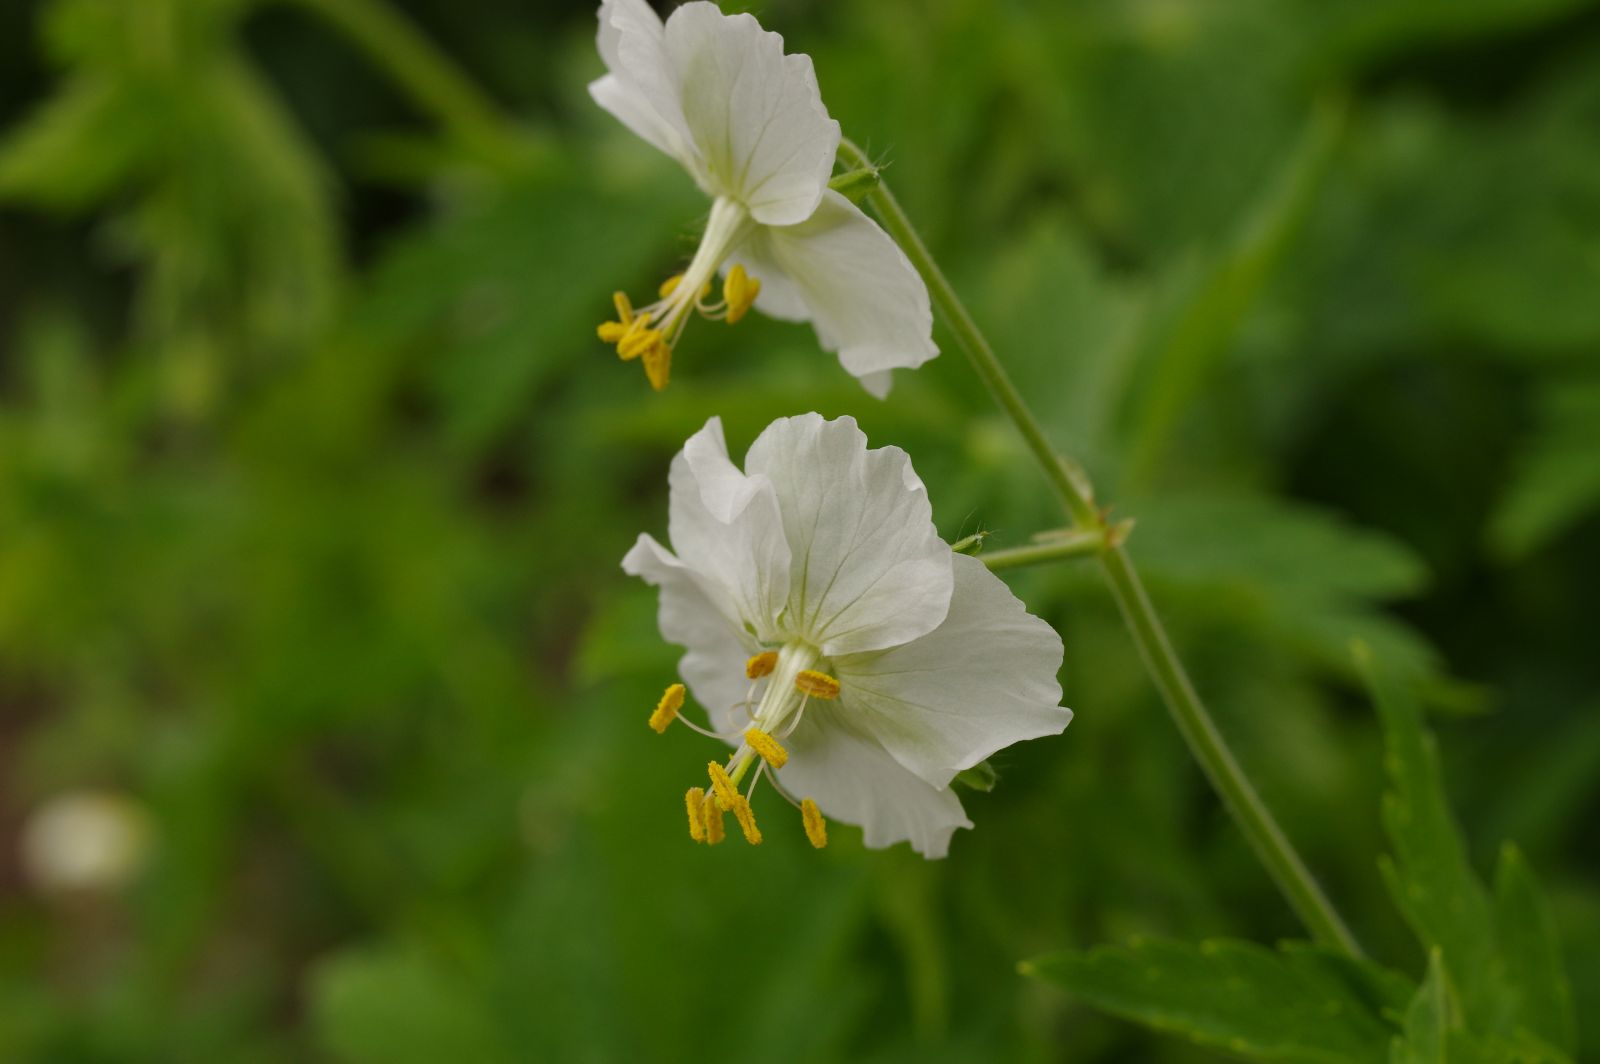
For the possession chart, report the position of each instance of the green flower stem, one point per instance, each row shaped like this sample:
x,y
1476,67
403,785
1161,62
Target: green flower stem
x,y
423,72
1075,543
1072,487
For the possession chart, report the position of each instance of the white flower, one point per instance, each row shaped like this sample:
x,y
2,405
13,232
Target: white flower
x,y
85,841
834,638
717,94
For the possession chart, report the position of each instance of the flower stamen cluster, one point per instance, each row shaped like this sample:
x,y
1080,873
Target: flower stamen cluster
x,y
650,333
791,683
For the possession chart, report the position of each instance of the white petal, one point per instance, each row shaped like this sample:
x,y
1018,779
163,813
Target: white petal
x,y
982,680
853,780
781,298
755,114
634,110
633,18
641,88
865,298
727,528
868,569
697,614
878,384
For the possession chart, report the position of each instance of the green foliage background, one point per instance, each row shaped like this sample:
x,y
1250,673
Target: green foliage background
x,y
314,481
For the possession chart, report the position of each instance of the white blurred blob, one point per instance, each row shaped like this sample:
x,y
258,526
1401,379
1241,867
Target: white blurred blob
x,y
85,841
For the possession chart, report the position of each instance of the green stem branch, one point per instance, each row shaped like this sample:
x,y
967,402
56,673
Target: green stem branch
x,y
1072,487
1075,543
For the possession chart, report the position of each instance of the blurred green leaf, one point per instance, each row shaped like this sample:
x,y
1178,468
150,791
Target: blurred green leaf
x,y
1289,550
1435,1034
1178,118
388,1007
1297,1005
1429,1020
1466,230
79,146
501,314
1351,32
1302,575
1191,335
214,190
1429,876
1558,481
1075,360
1532,949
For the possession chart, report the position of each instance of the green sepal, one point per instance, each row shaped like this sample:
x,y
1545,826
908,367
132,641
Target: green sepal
x,y
856,185
980,777
972,544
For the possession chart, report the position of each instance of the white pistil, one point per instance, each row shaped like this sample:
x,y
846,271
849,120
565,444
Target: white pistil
x,y
782,701
724,229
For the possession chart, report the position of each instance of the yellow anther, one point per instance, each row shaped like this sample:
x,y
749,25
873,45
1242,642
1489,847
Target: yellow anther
x,y
635,328
761,664
817,685
816,827
638,340
613,331
711,814
695,802
726,792
667,708
670,285
739,289
765,745
747,820
658,362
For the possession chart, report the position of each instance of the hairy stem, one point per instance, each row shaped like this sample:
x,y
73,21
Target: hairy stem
x,y
1074,543
1072,487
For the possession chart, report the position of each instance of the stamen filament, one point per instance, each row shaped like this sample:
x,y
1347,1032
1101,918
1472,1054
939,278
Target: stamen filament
x,y
707,732
798,716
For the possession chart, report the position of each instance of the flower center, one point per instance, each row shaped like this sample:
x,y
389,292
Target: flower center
x,y
650,333
792,680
